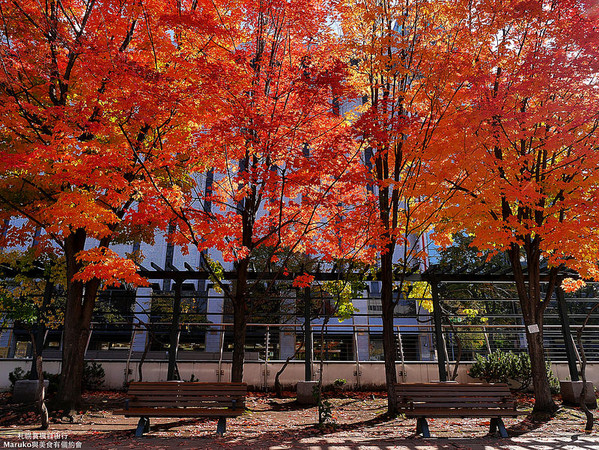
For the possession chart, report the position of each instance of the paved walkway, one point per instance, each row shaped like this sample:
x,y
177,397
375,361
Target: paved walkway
x,y
275,424
334,441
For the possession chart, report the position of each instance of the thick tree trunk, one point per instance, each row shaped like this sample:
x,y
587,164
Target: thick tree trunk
x,y
389,345
239,330
239,322
77,319
543,400
533,307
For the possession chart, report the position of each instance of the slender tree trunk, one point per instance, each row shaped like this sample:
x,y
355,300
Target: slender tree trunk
x,y
389,345
38,346
588,427
41,393
175,333
40,332
278,388
323,408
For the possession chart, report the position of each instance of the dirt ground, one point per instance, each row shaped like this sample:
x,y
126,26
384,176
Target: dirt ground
x,y
276,424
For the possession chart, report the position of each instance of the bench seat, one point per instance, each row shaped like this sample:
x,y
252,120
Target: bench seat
x,y
183,399
449,399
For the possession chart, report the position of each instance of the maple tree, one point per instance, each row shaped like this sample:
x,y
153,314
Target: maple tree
x,y
280,161
87,93
27,294
405,56
526,145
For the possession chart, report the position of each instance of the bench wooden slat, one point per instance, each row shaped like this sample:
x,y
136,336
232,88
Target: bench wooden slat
x,y
442,395
192,396
433,412
179,412
467,407
185,389
178,395
136,399
183,392
151,404
476,390
191,386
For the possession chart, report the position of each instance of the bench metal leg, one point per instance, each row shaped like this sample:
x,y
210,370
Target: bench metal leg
x,y
221,426
143,426
422,427
493,425
501,427
498,425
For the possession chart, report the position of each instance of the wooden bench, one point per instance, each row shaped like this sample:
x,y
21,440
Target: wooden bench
x,y
184,399
448,399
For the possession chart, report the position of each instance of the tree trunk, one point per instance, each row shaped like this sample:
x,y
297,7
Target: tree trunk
x,y
175,333
533,307
239,322
389,346
38,339
239,330
41,394
40,332
77,319
543,400
278,388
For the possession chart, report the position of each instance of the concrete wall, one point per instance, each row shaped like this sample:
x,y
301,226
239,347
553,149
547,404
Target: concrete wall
x,y
259,374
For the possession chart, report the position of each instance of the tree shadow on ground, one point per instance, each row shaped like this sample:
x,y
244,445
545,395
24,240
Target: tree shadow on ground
x,y
528,424
179,423
286,406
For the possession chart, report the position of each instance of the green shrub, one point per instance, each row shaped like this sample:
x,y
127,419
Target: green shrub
x,y
509,367
20,374
93,376
15,375
339,383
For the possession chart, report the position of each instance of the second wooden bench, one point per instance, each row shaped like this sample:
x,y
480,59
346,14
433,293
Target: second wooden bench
x,y
448,399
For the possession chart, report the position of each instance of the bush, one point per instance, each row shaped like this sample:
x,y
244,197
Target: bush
x,y
20,374
339,383
93,376
509,367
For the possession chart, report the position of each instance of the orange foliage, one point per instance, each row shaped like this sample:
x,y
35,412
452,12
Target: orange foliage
x,y
526,141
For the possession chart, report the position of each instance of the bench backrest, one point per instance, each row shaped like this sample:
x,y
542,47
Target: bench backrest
x,y
181,394
414,396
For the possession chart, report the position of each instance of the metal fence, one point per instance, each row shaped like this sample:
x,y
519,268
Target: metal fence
x,y
473,326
